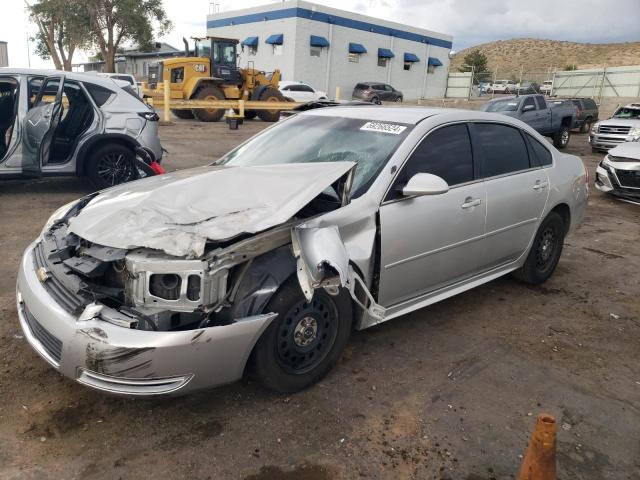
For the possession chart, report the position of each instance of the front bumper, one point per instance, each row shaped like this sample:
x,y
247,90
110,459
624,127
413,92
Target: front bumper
x,y
607,141
126,361
607,182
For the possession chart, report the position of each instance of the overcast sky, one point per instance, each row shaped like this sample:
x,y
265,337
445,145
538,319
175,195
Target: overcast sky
x,y
469,21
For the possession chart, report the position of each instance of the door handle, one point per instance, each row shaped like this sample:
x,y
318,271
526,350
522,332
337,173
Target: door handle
x,y
471,202
540,185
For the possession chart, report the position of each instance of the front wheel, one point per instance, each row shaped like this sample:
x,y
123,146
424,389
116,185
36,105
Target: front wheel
x,y
399,100
270,94
545,251
306,339
586,126
561,138
209,114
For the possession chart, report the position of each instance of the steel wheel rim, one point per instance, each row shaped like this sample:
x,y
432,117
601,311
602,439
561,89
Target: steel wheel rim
x,y
306,335
114,168
545,248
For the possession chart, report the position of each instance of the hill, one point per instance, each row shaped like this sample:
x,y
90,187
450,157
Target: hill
x,y
544,55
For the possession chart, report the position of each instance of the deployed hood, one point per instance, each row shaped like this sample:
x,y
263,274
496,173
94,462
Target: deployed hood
x,y
178,212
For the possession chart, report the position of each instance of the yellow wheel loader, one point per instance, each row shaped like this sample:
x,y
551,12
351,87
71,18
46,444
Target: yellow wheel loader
x,y
213,75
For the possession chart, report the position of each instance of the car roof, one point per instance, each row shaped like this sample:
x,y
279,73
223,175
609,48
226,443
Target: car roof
x,y
107,82
407,114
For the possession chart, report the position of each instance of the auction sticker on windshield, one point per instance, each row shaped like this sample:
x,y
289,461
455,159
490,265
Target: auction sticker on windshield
x,y
383,127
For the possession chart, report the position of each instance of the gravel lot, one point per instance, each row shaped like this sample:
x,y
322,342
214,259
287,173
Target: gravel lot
x,y
447,392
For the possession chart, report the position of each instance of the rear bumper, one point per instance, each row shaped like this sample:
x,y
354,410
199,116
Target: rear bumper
x,y
130,362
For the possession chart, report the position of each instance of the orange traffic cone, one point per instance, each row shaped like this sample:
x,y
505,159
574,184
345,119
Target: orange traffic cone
x,y
540,460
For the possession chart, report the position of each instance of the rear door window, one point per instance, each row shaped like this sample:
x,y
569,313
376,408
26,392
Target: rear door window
x,y
539,153
503,149
528,101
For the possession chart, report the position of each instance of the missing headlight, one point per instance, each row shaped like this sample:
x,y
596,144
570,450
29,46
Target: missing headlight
x,y
166,286
193,288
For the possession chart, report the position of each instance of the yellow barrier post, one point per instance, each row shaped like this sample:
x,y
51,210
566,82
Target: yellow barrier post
x,y
241,108
337,93
167,100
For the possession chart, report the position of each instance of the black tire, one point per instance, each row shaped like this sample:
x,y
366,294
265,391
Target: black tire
x,y
306,339
562,137
586,126
211,114
545,251
399,100
376,100
183,114
270,94
110,165
250,114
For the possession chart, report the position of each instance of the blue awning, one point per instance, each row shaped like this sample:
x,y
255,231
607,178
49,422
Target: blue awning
x,y
411,57
433,61
275,39
316,41
385,53
250,42
357,48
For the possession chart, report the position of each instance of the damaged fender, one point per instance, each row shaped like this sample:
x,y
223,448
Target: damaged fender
x,y
323,262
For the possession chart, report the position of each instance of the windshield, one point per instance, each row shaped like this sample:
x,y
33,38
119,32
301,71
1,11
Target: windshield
x,y
501,106
625,112
203,48
311,138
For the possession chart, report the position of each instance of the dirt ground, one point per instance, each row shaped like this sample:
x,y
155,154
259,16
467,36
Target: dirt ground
x,y
447,392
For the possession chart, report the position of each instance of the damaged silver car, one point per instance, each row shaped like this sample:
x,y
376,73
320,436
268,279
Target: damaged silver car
x,y
333,219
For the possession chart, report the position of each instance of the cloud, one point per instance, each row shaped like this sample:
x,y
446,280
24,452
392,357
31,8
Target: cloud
x,y
469,21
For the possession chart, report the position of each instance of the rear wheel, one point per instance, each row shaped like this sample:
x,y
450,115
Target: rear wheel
x,y
270,94
210,114
111,165
183,114
545,251
306,339
399,100
561,138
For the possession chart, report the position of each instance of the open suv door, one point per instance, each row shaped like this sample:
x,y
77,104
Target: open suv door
x,y
40,125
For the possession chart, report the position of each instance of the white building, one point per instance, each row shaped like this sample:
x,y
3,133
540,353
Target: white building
x,y
331,48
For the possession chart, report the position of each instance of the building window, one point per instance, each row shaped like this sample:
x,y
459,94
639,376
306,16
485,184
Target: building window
x,y
252,50
315,51
277,50
354,57
431,69
407,65
382,61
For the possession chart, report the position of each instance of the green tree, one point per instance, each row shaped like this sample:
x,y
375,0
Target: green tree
x,y
63,28
116,22
570,67
475,61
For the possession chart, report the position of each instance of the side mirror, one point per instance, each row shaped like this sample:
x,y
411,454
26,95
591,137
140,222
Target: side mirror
x,y
425,184
528,108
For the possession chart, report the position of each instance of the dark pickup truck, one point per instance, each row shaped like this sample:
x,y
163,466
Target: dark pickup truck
x,y
553,118
587,113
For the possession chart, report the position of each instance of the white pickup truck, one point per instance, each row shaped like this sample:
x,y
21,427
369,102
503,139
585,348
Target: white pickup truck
x,y
623,126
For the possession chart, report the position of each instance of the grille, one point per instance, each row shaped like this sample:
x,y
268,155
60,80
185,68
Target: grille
x,y
629,178
49,342
68,300
613,129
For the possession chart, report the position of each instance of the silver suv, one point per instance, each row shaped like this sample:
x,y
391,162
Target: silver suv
x,y
63,123
623,126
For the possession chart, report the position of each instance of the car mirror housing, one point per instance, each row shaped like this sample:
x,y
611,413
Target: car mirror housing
x,y
527,108
425,184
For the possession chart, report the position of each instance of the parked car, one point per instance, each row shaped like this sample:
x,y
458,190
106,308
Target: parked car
x,y
301,92
553,118
333,219
546,87
503,86
63,123
623,126
586,114
619,172
130,81
527,88
375,92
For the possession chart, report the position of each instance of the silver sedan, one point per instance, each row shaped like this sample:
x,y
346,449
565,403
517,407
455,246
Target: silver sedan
x,y
333,219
